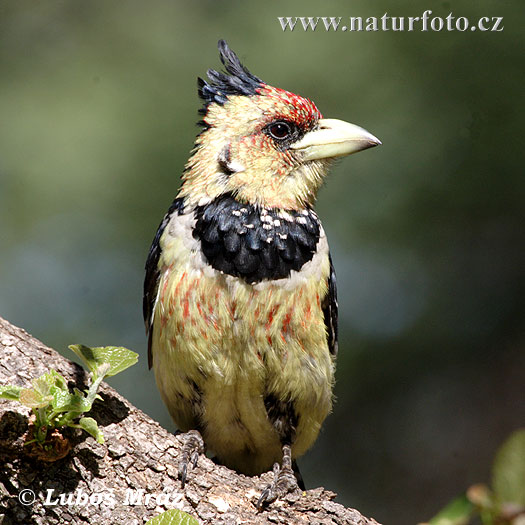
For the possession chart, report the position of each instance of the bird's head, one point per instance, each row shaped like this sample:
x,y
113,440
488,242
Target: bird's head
x,y
264,145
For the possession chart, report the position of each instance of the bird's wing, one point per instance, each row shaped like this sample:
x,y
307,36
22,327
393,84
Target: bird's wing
x,y
151,281
330,307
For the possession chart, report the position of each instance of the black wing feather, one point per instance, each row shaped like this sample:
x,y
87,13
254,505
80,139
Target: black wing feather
x,y
151,281
330,308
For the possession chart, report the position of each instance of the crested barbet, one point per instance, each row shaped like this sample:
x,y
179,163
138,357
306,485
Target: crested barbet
x,y
240,296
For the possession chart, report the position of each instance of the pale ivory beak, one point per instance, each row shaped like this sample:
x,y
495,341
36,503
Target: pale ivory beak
x,y
334,138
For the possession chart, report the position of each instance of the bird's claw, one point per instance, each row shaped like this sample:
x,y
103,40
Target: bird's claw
x,y
192,447
284,481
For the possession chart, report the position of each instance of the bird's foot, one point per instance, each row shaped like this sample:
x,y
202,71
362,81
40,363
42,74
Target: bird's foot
x,y
192,447
284,480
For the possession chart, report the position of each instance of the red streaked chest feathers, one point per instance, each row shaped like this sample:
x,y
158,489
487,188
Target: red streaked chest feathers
x,y
221,345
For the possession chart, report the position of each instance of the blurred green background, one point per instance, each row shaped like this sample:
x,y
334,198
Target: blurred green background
x,y
98,107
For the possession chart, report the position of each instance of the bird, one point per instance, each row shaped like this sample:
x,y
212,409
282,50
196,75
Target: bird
x,y
240,299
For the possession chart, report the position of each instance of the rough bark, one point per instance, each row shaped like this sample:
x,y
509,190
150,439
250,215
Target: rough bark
x,y
138,458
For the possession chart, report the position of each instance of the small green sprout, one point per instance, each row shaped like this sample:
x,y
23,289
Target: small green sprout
x,y
173,517
504,504
54,406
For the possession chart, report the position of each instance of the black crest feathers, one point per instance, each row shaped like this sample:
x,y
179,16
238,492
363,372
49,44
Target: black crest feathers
x,y
236,81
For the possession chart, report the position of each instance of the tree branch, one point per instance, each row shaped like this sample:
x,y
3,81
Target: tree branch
x,y
138,460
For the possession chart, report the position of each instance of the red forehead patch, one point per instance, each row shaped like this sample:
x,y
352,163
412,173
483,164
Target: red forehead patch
x,y
289,105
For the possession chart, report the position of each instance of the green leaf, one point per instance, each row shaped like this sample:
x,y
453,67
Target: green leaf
x,y
90,426
61,399
64,400
118,357
33,399
92,392
54,378
42,384
508,471
11,392
173,517
457,512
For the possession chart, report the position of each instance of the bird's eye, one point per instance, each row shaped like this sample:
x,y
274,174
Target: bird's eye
x,y
280,130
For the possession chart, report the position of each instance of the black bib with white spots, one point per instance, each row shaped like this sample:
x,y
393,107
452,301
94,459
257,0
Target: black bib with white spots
x,y
255,243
